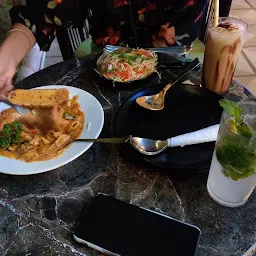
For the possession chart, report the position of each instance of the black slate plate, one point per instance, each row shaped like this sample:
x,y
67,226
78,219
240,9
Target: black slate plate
x,y
187,108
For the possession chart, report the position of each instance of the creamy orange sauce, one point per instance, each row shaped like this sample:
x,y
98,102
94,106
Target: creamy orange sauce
x,y
47,133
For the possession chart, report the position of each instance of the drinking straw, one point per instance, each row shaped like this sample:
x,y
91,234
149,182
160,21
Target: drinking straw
x,y
216,13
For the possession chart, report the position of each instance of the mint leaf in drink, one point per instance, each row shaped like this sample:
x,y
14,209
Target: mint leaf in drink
x,y
244,131
253,125
236,123
236,157
235,151
232,109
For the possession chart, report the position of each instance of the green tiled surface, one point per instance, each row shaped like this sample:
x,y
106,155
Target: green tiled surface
x,y
197,51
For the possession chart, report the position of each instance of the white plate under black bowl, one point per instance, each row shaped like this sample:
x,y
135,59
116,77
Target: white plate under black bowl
x,y
187,108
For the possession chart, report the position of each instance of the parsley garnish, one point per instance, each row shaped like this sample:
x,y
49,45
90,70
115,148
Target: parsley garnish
x,y
10,134
130,57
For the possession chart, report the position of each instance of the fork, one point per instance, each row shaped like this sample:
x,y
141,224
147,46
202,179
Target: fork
x,y
183,49
19,109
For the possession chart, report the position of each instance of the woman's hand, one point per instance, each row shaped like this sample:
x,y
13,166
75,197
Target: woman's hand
x,y
7,71
12,51
165,37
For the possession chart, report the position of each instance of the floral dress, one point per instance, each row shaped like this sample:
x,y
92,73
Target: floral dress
x,y
137,23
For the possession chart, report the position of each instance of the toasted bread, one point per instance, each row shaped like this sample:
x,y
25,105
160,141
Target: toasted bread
x,y
39,98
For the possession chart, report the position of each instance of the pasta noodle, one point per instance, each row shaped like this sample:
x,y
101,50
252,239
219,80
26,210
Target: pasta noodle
x,y
64,138
51,133
45,141
74,125
61,142
126,65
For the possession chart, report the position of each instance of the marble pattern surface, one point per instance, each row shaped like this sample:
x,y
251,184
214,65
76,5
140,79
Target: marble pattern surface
x,y
39,212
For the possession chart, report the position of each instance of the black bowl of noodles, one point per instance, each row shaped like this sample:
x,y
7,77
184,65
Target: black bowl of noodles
x,y
126,65
128,68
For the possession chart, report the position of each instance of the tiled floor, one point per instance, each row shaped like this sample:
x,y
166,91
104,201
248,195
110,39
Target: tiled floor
x,y
246,67
53,56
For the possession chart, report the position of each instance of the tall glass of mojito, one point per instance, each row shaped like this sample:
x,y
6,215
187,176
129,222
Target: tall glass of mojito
x,y
232,176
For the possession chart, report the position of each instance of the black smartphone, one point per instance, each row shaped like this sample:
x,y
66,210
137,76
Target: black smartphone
x,y
118,228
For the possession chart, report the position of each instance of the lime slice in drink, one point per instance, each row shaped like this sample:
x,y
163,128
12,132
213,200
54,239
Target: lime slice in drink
x,y
232,125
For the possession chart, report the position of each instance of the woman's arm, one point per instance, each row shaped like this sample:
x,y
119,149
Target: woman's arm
x,y
14,48
29,26
19,41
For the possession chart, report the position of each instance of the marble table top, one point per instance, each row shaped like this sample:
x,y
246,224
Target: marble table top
x,y
38,212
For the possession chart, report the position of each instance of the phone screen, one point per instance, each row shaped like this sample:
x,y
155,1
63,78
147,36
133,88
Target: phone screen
x,y
124,229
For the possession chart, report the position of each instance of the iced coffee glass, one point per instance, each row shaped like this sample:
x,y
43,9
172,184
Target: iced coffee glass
x,y
232,176
222,49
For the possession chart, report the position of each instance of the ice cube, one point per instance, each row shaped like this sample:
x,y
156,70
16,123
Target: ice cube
x,y
249,108
250,120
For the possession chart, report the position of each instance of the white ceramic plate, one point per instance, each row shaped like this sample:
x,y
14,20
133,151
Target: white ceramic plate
x,y
94,119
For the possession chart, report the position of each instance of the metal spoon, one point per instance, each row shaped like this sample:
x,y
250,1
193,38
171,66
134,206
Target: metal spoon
x,y
154,147
156,101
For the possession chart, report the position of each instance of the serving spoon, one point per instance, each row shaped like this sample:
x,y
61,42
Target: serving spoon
x,y
156,101
154,147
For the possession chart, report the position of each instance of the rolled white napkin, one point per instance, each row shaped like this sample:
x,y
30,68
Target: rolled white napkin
x,y
207,134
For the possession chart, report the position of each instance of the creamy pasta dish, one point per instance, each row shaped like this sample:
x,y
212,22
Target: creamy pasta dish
x,y
41,135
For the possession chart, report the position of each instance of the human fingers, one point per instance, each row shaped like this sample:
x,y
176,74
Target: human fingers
x,y
5,87
3,81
